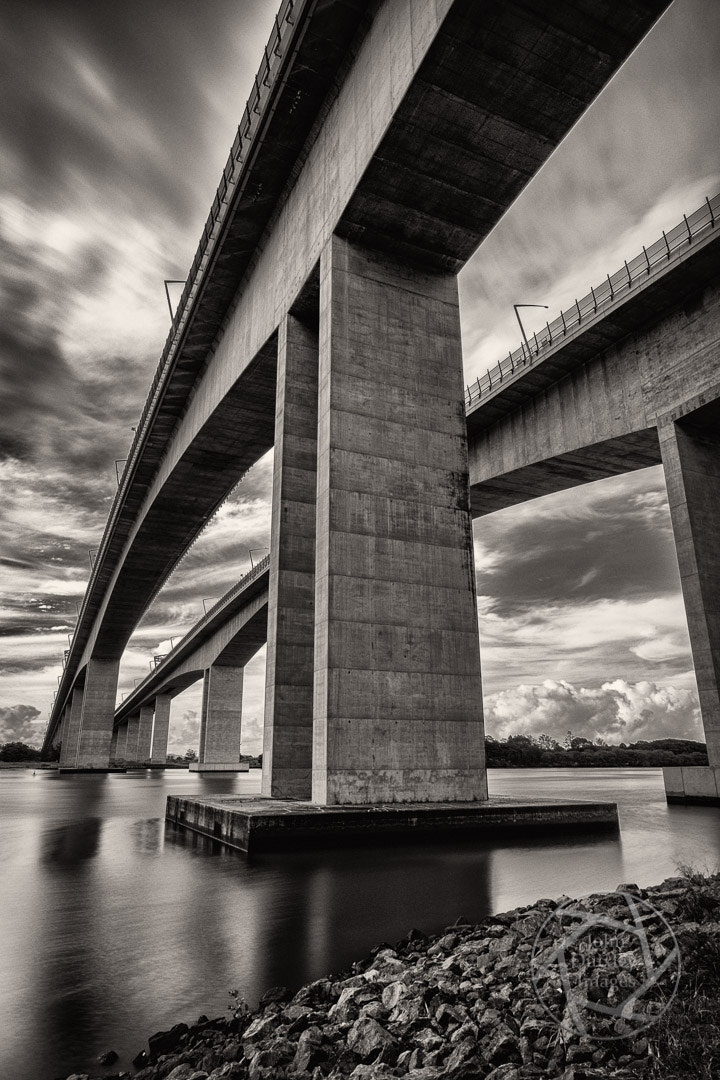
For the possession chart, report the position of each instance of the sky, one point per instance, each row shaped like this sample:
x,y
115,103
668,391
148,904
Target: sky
x,y
115,123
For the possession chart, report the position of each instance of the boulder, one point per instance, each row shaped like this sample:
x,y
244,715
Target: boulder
x,y
368,1039
164,1042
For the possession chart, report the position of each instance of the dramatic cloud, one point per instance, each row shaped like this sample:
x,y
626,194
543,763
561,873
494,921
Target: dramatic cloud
x,y
21,723
617,711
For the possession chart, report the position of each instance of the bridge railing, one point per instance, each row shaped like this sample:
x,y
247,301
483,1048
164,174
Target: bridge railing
x,y
166,661
613,290
232,175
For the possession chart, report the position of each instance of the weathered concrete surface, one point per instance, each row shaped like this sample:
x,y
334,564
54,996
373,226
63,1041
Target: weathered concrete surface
x,y
373,159
253,823
398,697
96,719
161,729
287,738
220,721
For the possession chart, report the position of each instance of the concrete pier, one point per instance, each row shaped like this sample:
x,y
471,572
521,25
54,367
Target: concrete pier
x,y
220,722
71,734
161,730
254,823
145,728
287,740
98,710
131,744
398,695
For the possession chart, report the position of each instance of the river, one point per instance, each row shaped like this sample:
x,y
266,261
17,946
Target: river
x,y
113,925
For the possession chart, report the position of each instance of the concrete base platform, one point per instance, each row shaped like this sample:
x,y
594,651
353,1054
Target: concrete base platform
x,y
252,822
694,784
219,766
110,769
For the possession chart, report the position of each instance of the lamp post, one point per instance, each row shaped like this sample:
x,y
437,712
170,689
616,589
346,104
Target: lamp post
x,y
250,551
522,328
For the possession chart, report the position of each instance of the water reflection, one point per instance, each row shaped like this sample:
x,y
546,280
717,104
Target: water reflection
x,y
73,843
114,926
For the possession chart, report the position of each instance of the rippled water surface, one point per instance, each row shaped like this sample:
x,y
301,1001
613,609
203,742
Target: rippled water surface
x,y
113,925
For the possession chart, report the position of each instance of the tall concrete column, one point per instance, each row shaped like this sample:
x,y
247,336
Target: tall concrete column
x,y
221,719
131,744
71,734
161,729
287,736
144,744
691,459
98,709
121,745
114,745
398,697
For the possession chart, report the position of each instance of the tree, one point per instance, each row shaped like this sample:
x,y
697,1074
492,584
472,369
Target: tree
x,y
190,755
19,751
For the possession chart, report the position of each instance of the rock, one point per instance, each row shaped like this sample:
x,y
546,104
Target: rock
x,y
186,1072
108,1058
163,1042
368,1039
371,1072
275,993
504,1072
504,1048
232,1051
140,1060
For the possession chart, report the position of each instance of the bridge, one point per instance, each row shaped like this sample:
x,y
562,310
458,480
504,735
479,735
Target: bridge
x,y
320,316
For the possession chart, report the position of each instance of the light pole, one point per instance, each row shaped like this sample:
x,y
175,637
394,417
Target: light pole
x,y
250,551
522,328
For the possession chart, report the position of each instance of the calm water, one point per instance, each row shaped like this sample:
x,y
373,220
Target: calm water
x,y
113,926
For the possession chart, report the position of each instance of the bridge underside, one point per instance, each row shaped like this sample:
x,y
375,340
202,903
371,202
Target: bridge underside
x,y
627,453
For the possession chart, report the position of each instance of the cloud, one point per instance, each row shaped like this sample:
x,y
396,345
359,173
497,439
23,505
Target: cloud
x,y
21,723
617,711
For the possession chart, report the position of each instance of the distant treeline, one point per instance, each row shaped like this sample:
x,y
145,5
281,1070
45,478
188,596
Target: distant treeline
x,y
534,752
515,752
19,751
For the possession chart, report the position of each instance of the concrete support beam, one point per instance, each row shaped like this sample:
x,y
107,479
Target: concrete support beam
x,y
131,744
161,729
71,735
221,717
397,696
145,730
691,458
287,738
98,710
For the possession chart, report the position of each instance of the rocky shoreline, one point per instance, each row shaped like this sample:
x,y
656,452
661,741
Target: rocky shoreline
x,y
556,989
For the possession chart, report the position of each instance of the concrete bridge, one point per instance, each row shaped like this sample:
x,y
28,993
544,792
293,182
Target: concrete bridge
x,y
216,650
320,315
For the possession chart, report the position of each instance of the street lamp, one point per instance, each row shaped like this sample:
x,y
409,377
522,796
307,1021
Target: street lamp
x,y
522,328
251,550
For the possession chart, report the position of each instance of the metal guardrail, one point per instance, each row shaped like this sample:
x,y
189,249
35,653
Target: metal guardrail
x,y
256,571
240,152
614,290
